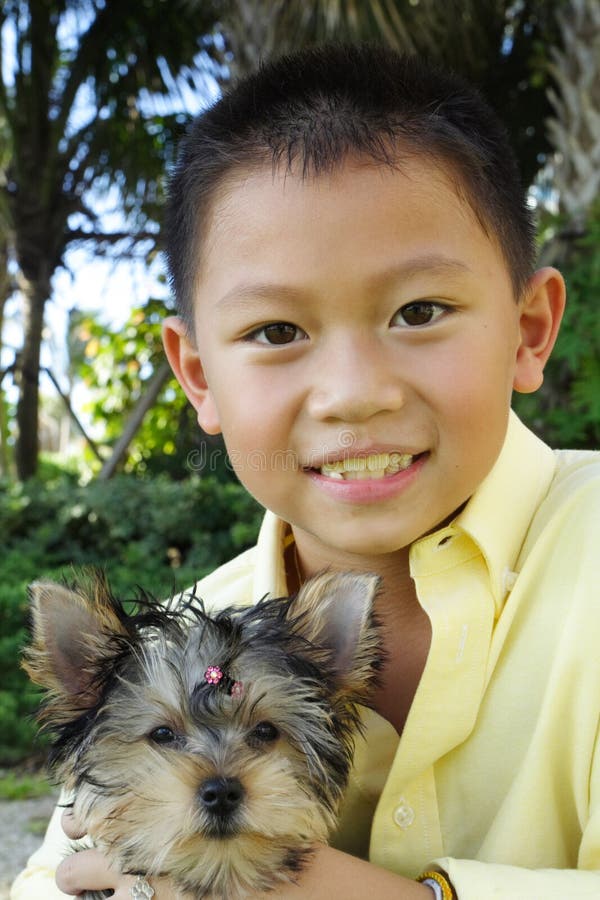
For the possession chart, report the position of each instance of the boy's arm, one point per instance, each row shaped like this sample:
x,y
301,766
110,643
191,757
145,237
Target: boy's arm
x,y
332,873
37,879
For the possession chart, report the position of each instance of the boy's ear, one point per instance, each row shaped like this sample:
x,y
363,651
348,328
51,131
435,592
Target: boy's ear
x,y
187,366
541,311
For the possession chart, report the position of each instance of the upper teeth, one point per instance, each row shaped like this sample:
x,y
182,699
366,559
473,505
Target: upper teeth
x,y
375,465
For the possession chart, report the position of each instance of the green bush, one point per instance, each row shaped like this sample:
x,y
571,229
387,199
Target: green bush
x,y
15,786
158,534
565,412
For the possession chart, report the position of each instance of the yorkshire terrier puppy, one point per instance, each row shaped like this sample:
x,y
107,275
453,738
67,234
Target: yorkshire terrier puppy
x,y
210,748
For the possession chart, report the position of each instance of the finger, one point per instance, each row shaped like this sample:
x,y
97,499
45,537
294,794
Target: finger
x,y
70,825
87,870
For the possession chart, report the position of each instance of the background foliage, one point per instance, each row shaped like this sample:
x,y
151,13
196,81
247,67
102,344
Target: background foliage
x,y
565,412
115,366
156,533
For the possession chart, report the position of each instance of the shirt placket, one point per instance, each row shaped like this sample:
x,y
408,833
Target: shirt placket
x,y
453,586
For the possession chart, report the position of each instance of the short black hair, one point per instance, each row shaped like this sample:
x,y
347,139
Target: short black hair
x,y
311,110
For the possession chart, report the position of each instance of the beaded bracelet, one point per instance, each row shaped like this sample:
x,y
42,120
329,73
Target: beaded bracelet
x,y
439,884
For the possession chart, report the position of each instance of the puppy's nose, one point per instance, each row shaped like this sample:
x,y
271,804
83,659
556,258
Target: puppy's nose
x,y
221,796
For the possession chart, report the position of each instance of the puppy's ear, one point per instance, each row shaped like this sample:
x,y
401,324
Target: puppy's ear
x,y
74,631
335,610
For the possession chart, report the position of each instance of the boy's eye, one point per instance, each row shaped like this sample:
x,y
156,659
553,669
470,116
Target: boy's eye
x,y
277,333
421,312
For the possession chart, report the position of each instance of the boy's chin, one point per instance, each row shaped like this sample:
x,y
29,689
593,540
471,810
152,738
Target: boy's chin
x,y
358,542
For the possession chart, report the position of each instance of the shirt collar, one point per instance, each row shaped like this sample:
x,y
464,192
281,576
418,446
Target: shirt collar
x,y
496,518
269,572
498,515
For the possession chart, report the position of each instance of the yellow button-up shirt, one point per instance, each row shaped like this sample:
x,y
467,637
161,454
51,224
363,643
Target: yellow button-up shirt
x,y
496,777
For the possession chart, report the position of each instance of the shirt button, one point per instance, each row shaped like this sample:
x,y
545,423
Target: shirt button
x,y
404,814
509,579
444,541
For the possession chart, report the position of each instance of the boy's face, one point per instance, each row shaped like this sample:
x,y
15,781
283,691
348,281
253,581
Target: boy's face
x,y
353,315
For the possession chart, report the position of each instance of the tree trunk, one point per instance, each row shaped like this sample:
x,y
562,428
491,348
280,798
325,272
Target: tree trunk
x,y
146,402
4,295
27,443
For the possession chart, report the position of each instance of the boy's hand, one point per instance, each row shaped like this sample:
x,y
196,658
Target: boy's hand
x,y
89,870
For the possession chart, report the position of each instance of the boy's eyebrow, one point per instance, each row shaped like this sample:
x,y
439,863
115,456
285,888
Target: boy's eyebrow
x,y
246,293
434,263
437,264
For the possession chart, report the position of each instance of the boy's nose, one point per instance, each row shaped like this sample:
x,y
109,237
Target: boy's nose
x,y
355,383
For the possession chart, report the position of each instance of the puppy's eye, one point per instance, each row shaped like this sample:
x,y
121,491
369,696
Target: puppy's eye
x,y
163,735
264,733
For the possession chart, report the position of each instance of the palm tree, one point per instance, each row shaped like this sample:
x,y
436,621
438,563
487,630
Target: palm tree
x,y
77,77
497,44
575,126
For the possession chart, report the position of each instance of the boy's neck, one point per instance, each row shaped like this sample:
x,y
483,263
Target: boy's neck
x,y
305,558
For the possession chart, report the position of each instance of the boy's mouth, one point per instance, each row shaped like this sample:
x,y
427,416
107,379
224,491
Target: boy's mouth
x,y
372,466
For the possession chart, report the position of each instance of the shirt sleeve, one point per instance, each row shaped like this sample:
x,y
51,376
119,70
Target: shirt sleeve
x,y
473,880
37,878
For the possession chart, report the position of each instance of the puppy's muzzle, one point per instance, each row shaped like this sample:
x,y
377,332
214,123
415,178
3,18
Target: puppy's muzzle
x,y
221,797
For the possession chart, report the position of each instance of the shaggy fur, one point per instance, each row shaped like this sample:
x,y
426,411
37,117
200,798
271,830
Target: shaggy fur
x,y
223,787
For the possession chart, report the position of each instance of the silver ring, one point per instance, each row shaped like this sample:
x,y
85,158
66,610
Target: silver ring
x,y
141,890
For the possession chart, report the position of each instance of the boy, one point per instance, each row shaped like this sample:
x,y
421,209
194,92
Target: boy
x,y
353,260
